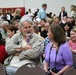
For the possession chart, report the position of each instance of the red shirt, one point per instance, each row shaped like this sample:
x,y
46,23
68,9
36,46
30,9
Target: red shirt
x,y
3,54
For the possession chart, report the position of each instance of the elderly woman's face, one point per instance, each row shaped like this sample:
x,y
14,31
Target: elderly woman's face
x,y
50,35
27,29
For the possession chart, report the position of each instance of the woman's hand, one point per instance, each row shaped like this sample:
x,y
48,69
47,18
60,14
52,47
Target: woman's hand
x,y
52,72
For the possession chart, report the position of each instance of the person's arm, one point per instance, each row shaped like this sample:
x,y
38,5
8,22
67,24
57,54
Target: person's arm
x,y
63,70
45,66
72,14
60,15
3,54
67,55
37,48
27,47
47,61
11,44
66,14
39,15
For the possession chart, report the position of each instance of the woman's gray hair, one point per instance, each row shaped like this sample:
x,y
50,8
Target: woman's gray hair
x,y
4,23
26,18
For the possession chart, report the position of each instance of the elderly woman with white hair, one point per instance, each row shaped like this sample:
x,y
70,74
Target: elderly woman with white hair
x,y
4,26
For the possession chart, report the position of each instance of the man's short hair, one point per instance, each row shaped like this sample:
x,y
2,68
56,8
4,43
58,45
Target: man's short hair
x,y
44,4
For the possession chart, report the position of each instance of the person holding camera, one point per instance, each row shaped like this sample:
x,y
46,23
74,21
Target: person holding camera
x,y
58,56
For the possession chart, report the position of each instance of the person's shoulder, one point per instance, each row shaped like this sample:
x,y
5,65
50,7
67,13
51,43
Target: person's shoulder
x,y
7,39
41,10
49,44
36,35
70,41
72,11
65,45
17,35
65,11
2,46
47,39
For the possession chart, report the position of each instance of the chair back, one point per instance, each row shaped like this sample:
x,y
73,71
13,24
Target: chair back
x,y
71,71
74,58
27,70
2,70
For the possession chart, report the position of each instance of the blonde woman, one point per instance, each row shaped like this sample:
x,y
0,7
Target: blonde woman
x,y
73,11
72,41
17,14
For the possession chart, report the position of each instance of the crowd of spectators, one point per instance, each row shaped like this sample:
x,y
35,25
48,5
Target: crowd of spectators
x,y
42,38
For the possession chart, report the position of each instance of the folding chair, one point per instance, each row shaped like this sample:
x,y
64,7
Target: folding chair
x,y
2,70
33,70
74,58
71,71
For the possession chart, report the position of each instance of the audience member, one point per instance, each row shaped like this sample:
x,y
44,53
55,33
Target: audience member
x,y
30,13
4,26
67,28
17,14
30,52
58,54
42,29
63,21
72,41
73,11
63,13
42,13
36,12
3,53
11,30
56,20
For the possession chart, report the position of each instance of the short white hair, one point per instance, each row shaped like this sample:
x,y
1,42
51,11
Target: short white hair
x,y
4,23
26,18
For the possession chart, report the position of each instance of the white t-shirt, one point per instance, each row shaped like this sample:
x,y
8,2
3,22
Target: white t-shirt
x,y
73,14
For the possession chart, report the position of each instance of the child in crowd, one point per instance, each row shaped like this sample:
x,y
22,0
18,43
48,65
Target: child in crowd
x,y
72,41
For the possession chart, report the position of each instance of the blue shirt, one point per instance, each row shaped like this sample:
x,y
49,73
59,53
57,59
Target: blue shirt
x,y
42,14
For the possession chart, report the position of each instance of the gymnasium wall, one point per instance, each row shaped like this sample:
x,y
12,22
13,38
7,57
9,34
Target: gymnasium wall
x,y
53,5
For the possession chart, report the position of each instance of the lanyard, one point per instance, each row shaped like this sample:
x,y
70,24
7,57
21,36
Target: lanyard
x,y
56,54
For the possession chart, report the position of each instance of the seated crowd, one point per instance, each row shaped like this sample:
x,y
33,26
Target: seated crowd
x,y
46,40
